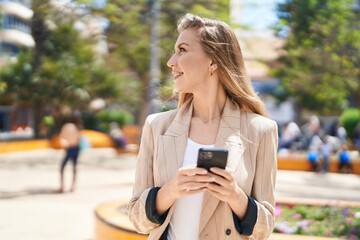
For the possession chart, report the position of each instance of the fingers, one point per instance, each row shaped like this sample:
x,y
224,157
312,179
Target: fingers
x,y
227,174
191,192
213,187
191,180
195,181
191,171
191,186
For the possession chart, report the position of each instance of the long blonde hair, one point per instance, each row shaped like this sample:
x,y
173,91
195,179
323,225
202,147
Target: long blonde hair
x,y
219,42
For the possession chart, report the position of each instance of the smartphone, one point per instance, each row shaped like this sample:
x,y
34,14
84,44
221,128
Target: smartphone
x,y
212,157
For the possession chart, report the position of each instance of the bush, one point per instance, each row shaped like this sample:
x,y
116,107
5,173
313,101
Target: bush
x,y
349,119
107,116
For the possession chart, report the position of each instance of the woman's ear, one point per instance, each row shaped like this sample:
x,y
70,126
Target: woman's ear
x,y
213,66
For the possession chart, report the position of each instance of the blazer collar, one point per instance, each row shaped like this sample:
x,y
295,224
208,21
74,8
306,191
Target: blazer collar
x,y
181,123
227,136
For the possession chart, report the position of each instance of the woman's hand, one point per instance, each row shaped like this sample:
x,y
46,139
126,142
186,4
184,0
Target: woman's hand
x,y
226,189
187,181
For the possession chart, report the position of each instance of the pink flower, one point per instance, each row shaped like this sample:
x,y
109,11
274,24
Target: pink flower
x,y
284,228
277,210
297,216
348,220
303,224
352,236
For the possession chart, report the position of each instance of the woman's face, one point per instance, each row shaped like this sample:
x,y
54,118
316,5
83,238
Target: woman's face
x,y
189,63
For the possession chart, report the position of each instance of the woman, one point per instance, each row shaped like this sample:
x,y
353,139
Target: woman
x,y
217,107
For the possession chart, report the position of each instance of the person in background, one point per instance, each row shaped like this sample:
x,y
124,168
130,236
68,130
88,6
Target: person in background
x,y
217,108
290,134
70,141
345,160
117,135
326,150
313,158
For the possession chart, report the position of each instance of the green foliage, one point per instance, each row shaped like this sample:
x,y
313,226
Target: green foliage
x,y
89,121
107,116
61,68
15,76
48,120
349,119
321,64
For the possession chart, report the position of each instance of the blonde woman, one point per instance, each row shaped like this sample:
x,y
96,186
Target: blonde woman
x,y
217,108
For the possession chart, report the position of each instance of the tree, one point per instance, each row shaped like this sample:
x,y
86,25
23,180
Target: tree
x,y
321,67
129,32
61,70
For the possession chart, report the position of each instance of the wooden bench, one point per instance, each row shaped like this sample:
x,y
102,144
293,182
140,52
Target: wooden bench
x,y
299,162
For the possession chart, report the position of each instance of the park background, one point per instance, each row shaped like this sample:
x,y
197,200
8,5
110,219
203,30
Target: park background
x,y
105,61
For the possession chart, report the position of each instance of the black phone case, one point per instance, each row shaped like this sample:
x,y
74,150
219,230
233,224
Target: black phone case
x,y
212,157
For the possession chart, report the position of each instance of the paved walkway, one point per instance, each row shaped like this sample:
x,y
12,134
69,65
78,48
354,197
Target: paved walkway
x,y
31,209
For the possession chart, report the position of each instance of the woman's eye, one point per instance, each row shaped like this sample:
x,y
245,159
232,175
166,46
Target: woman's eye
x,y
182,50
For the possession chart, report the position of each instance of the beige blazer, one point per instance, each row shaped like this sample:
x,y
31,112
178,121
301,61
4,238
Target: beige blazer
x,y
252,144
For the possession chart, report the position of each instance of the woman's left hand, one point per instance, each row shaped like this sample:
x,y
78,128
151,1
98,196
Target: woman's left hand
x,y
226,189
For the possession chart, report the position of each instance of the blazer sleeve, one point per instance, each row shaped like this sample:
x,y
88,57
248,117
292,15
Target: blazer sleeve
x,y
264,183
144,182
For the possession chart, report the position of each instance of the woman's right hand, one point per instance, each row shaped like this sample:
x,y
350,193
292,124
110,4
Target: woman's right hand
x,y
187,181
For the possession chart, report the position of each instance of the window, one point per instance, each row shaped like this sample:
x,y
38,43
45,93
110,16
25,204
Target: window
x,y
12,22
8,49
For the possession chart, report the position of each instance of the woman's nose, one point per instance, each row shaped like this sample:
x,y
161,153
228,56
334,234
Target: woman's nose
x,y
171,62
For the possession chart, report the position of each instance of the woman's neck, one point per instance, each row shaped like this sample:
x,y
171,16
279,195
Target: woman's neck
x,y
209,108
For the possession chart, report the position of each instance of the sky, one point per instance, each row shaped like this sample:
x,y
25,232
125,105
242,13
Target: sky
x,y
259,14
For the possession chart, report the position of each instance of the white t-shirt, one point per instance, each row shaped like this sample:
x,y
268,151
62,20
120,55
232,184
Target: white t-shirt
x,y
184,223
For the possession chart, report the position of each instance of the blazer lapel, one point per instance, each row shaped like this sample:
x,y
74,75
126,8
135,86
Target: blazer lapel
x,y
174,140
228,137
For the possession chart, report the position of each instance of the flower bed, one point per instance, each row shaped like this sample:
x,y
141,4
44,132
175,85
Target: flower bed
x,y
325,221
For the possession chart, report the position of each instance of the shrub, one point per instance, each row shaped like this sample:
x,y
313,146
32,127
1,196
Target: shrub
x,y
107,116
349,118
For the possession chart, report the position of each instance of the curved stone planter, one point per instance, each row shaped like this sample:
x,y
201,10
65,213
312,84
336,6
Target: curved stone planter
x,y
111,222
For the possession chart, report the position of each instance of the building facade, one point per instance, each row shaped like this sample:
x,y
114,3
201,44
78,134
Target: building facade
x,y
15,35
15,28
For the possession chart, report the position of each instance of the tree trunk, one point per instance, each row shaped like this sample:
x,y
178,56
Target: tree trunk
x,y
39,30
37,108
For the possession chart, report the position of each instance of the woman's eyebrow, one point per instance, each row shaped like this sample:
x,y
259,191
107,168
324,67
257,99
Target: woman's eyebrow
x,y
180,44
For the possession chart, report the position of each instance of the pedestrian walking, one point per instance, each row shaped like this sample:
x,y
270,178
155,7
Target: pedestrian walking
x,y
217,108
70,141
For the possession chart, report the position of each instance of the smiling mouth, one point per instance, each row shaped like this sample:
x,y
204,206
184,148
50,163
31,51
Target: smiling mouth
x,y
176,75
